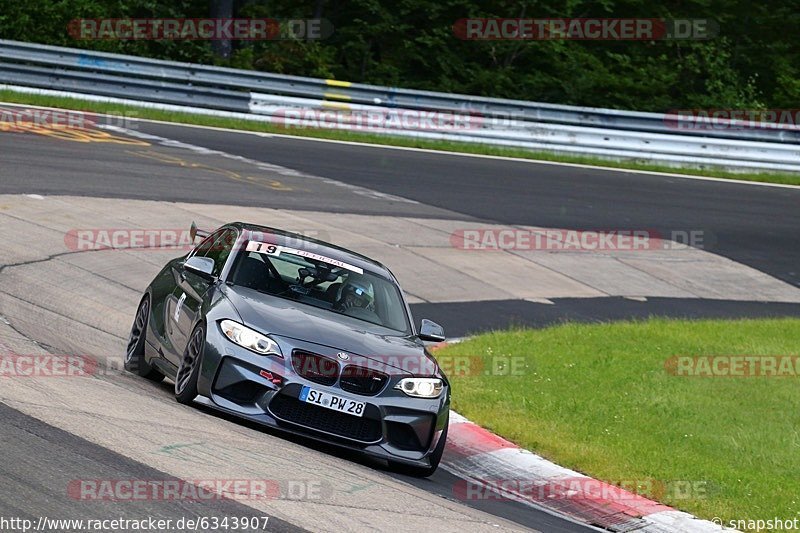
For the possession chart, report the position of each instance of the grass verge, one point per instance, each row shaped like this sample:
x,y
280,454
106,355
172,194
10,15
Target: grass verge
x,y
600,399
451,146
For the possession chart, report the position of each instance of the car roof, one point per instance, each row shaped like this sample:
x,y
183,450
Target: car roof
x,y
302,242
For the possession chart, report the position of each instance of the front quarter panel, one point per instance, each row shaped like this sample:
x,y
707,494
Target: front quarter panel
x,y
216,307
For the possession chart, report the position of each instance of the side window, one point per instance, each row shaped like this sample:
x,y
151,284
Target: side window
x,y
220,249
205,245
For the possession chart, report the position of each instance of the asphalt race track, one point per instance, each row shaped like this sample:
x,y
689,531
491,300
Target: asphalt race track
x,y
131,177
39,458
462,318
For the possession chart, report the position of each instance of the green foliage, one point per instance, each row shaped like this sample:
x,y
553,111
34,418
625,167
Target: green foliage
x,y
411,43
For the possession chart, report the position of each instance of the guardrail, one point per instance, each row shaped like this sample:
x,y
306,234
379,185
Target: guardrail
x,y
282,99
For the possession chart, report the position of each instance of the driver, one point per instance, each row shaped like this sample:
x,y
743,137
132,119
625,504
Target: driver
x,y
355,293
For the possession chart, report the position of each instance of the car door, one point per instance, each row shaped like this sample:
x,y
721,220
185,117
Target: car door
x,y
173,306
162,290
193,290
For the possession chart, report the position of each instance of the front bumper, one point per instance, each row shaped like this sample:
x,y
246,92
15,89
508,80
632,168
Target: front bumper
x,y
265,389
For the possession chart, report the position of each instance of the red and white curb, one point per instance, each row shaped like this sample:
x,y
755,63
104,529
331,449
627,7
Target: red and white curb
x,y
488,463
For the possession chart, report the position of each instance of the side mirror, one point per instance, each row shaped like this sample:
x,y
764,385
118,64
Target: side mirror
x,y
202,266
431,331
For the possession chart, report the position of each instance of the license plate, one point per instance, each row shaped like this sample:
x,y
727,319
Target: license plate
x,y
331,401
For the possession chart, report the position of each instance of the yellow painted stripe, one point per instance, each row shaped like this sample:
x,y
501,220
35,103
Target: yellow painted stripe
x,y
337,83
336,105
335,96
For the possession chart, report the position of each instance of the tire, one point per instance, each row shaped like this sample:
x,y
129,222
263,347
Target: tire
x,y
423,471
186,377
134,354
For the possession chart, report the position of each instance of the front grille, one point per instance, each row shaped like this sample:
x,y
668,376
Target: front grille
x,y
357,428
316,368
362,380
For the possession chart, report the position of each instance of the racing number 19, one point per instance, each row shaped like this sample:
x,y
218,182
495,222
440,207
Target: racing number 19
x,y
263,248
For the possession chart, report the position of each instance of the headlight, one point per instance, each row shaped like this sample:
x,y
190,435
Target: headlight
x,y
250,339
421,387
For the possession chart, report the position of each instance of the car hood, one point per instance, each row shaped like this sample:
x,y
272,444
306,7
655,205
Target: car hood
x,y
284,318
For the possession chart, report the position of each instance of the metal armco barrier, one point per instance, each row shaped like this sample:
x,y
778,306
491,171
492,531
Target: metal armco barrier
x,y
280,99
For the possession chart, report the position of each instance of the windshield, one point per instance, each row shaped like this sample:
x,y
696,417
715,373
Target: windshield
x,y
317,280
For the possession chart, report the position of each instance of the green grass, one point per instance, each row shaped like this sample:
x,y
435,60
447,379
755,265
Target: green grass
x,y
452,146
598,399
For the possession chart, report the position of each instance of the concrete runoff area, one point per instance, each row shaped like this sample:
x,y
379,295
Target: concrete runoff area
x,y
419,251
